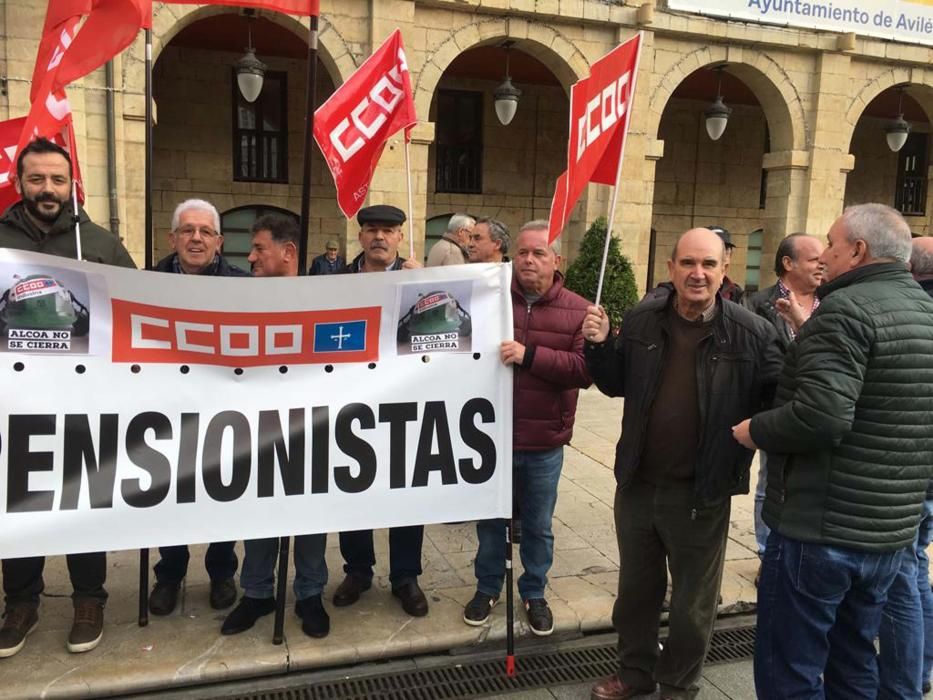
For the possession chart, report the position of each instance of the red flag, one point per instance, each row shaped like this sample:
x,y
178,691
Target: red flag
x,y
110,27
600,108
352,127
10,132
306,8
61,24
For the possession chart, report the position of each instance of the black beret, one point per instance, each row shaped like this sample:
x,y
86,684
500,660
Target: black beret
x,y
723,234
381,214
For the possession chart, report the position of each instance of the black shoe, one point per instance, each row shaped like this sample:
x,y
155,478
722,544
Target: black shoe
x,y
164,598
244,615
21,619
315,622
223,594
413,599
477,610
349,591
539,616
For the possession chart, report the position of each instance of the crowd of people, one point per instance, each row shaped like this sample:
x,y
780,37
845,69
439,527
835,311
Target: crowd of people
x,y
828,374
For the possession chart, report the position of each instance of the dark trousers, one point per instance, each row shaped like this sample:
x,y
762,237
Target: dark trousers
x,y
220,561
657,528
22,578
404,553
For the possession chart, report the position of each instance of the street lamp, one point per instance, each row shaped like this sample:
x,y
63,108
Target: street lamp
x,y
717,114
898,129
250,71
506,94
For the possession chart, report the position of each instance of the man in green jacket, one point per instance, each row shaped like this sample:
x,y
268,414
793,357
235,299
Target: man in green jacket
x,y
850,454
43,222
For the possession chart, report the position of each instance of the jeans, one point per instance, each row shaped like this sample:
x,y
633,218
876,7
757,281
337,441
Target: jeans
x,y
22,578
819,610
257,578
761,529
535,477
404,553
906,634
659,527
220,561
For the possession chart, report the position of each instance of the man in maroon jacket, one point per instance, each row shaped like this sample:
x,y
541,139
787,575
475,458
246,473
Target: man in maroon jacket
x,y
547,355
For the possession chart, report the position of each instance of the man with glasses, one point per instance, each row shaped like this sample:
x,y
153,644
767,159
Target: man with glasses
x,y
196,240
330,263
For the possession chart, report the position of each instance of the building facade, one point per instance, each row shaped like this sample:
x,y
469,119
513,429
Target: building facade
x,y
805,137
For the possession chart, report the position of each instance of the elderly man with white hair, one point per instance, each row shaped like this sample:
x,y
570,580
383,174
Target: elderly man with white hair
x,y
451,249
195,239
850,455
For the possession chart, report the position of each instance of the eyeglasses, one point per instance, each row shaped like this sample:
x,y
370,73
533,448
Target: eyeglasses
x,y
206,232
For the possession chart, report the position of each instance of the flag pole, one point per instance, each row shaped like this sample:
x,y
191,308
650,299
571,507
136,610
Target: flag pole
x,y
411,213
309,146
509,604
143,602
76,218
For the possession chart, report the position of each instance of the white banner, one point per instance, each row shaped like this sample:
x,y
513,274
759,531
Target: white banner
x,y
144,409
897,20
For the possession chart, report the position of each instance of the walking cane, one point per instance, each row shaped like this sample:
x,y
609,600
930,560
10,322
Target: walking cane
x,y
278,626
509,605
143,587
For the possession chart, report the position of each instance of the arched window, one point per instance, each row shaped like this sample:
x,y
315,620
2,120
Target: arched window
x,y
236,225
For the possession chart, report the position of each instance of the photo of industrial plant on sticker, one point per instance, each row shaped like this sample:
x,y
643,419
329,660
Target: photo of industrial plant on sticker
x,y
435,317
44,310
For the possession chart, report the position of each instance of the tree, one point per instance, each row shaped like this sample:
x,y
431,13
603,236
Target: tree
x,y
620,292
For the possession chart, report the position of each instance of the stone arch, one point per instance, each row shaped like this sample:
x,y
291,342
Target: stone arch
x,y
884,81
542,41
774,89
168,20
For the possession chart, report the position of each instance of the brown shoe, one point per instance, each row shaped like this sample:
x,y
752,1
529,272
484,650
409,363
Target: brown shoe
x,y
349,591
614,688
413,599
88,627
21,619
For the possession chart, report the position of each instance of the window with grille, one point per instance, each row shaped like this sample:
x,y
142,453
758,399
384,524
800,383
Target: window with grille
x,y
911,195
260,132
459,139
753,260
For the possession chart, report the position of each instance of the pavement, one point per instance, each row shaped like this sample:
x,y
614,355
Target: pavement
x,y
186,648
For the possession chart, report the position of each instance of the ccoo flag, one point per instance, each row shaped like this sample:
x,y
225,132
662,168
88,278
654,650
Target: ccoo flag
x,y
600,107
352,127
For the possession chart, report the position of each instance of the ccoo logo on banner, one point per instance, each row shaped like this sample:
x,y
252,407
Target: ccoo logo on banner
x,y
145,409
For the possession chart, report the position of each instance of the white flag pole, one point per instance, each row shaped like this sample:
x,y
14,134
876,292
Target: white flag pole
x,y
77,217
411,214
615,188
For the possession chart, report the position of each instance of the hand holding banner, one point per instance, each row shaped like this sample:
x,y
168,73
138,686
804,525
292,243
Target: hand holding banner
x,y
600,107
353,126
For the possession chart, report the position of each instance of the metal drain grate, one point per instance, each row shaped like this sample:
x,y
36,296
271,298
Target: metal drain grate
x,y
478,678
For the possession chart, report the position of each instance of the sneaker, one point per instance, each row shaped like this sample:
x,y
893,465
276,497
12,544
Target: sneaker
x,y
20,620
244,615
477,610
223,594
539,616
164,598
88,627
315,622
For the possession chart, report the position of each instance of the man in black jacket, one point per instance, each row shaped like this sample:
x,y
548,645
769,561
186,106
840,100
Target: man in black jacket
x,y
196,240
850,446
689,364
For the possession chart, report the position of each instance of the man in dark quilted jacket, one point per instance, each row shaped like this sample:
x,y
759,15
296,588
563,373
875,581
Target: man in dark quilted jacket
x,y
850,447
549,370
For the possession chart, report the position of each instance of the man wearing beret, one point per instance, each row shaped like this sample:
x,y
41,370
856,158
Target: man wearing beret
x,y
380,236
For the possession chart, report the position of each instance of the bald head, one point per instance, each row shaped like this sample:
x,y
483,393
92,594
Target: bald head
x,y
703,236
921,258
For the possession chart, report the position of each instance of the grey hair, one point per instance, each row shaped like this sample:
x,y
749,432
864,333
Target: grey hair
x,y
197,205
497,232
921,261
882,228
541,225
459,221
